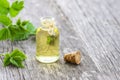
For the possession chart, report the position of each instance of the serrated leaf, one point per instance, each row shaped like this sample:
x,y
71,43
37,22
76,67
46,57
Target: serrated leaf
x,y
13,31
13,12
20,64
51,39
4,34
16,7
15,62
4,11
4,7
18,22
6,60
29,27
17,52
25,31
5,20
16,32
4,3
19,58
24,23
21,37
15,58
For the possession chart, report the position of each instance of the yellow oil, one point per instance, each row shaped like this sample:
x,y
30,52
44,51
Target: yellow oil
x,y
45,52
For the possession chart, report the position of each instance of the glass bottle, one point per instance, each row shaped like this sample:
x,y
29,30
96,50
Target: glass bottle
x,y
47,41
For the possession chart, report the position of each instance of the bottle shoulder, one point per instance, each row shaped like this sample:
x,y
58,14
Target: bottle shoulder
x,y
41,29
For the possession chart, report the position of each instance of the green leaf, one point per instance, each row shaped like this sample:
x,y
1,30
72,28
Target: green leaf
x,y
6,60
51,39
4,34
13,30
17,52
16,62
4,7
13,12
24,23
5,20
19,58
17,32
20,64
20,37
30,28
25,31
4,11
20,31
15,58
18,22
16,7
4,3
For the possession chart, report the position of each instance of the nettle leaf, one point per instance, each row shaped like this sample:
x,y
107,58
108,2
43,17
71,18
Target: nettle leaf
x,y
20,64
17,52
19,34
4,11
16,62
4,7
16,31
30,28
16,7
4,34
5,20
18,58
6,60
26,30
51,39
4,3
18,22
15,58
13,30
21,37
13,12
24,23
13,62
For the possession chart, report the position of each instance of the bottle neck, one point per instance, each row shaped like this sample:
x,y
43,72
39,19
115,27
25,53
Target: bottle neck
x,y
48,25
50,30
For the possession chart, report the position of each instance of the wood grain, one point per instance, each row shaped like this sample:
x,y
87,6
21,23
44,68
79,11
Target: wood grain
x,y
91,26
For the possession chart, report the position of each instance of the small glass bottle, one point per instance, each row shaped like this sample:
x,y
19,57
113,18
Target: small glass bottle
x,y
47,41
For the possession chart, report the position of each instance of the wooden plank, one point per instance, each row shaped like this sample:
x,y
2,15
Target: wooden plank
x,y
90,26
90,19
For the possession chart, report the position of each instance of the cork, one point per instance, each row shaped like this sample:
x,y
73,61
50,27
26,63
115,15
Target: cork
x,y
73,57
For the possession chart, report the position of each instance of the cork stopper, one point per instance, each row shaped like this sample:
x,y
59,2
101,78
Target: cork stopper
x,y
74,57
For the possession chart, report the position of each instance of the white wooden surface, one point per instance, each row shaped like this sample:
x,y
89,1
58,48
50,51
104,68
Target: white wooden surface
x,y
91,26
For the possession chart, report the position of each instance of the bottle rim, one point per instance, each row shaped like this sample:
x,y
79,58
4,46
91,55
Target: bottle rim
x,y
47,17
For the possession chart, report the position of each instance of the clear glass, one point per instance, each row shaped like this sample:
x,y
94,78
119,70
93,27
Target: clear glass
x,y
47,41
